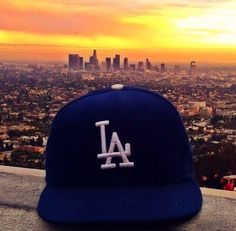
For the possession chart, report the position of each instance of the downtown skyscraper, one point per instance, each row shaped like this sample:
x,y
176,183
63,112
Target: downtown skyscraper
x,y
116,62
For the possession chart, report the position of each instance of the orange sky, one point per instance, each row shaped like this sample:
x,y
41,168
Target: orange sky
x,y
170,30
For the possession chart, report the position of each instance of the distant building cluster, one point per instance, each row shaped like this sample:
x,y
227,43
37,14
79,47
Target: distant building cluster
x,y
76,62
196,108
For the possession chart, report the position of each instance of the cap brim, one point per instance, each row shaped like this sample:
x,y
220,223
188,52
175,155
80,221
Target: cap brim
x,y
120,204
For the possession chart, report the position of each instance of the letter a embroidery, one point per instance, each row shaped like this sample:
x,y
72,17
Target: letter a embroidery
x,y
115,142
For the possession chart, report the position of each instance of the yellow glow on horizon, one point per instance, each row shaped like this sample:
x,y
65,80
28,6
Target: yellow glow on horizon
x,y
20,38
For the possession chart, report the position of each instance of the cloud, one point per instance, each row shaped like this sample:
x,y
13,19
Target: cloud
x,y
90,17
46,19
20,38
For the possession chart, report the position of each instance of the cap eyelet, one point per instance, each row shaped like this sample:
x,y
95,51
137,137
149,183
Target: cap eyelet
x,y
117,86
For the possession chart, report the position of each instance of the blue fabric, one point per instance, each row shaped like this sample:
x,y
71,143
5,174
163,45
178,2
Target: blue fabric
x,y
120,204
159,149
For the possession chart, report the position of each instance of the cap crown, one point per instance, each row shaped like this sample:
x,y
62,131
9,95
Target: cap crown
x,y
159,146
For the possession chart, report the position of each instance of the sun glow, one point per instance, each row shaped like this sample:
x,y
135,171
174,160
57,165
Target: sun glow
x,y
215,28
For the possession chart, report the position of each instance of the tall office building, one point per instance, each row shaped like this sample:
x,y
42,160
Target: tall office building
x,y
140,66
132,67
163,67
192,67
108,64
93,60
73,61
126,64
147,64
116,62
81,63
87,66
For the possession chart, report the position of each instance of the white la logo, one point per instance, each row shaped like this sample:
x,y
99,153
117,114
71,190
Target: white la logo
x,y
115,141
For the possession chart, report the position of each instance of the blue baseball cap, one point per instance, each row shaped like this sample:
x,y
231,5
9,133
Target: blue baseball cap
x,y
119,155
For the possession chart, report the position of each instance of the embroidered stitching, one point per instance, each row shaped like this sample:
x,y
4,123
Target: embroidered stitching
x,y
115,141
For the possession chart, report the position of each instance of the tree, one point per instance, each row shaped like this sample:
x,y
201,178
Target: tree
x,y
39,141
1,145
216,119
221,162
14,133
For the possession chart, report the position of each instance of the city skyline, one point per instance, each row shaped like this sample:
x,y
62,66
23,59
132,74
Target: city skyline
x,y
173,31
78,62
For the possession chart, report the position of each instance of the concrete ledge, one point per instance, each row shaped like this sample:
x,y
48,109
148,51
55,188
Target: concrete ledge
x,y
22,171
21,188
218,193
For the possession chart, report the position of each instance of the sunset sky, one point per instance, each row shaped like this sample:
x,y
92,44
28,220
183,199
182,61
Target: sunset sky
x,y
168,30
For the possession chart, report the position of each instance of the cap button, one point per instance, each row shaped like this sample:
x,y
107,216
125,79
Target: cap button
x,y
117,86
